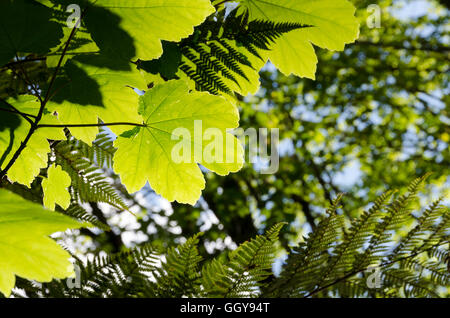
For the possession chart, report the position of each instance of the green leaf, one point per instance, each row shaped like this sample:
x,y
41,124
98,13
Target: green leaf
x,y
25,248
90,92
25,27
172,116
55,188
14,129
81,43
333,21
248,265
134,29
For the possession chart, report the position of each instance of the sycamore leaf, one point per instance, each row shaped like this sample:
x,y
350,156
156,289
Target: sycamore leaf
x,y
89,92
25,248
81,43
134,29
55,188
25,27
14,129
333,21
182,129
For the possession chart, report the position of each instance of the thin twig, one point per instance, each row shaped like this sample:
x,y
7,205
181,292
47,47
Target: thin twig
x,y
14,63
14,108
58,66
27,82
31,84
25,116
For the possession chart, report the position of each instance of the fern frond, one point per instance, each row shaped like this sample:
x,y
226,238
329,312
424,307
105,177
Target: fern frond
x,y
327,264
416,236
308,260
102,150
357,235
248,265
324,267
440,233
396,214
179,275
261,34
218,50
121,275
81,214
89,183
412,285
204,72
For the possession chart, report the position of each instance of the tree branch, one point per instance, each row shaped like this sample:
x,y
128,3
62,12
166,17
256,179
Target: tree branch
x,y
91,125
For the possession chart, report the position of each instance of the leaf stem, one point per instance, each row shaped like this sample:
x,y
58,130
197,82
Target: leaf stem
x,y
91,125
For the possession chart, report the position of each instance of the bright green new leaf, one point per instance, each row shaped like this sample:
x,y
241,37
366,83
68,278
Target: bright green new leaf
x,y
182,129
25,27
333,21
96,91
14,129
25,248
134,29
55,188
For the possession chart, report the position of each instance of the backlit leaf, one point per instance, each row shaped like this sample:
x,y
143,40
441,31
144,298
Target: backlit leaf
x,y
177,119
25,248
